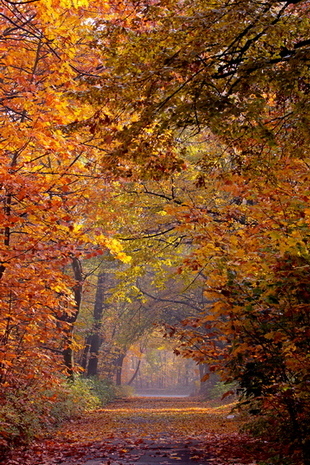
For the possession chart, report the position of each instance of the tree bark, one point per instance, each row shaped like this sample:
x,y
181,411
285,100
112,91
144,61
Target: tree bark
x,y
95,338
84,357
119,367
205,386
71,319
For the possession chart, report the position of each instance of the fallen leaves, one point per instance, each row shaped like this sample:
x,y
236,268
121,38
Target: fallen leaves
x,y
181,430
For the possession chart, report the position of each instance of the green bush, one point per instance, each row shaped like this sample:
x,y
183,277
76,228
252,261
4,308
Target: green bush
x,y
106,391
124,391
220,389
103,389
74,398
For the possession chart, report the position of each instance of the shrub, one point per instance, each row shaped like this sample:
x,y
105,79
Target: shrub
x,y
288,440
219,389
72,399
29,411
22,414
103,389
124,391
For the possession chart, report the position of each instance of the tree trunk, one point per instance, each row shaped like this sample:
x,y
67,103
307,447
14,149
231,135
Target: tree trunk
x,y
92,368
205,386
71,319
84,356
95,339
119,367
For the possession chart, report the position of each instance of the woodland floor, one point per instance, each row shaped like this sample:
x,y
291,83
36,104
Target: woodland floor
x,y
146,431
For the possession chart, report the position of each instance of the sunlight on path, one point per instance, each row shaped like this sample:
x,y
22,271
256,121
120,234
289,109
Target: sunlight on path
x,y
153,418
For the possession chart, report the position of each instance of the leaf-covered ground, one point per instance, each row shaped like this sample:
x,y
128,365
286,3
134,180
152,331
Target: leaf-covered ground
x,y
146,431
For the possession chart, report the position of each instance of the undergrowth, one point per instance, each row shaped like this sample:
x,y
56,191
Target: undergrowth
x,y
31,411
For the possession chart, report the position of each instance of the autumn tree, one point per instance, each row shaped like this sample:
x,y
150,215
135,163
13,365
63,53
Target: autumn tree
x,y
46,166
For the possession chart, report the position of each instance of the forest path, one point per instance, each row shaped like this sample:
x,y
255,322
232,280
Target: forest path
x,y
145,431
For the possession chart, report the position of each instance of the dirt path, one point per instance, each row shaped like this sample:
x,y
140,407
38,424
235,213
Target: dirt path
x,y
145,431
